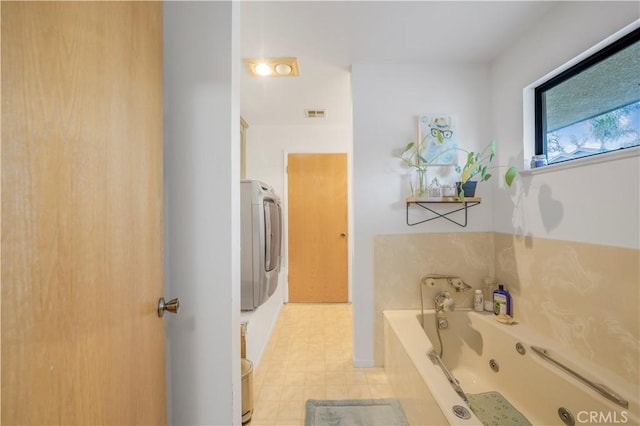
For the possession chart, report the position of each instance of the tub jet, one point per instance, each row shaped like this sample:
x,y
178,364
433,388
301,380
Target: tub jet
x,y
494,365
566,416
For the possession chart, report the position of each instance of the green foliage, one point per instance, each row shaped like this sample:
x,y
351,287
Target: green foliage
x,y
412,155
608,127
476,164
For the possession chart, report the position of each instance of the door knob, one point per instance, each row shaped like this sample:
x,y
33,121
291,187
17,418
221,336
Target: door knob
x,y
343,235
172,306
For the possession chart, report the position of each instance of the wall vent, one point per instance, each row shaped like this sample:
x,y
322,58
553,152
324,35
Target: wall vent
x,y
315,113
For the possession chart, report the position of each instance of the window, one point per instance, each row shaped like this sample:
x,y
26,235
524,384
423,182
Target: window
x,y
592,107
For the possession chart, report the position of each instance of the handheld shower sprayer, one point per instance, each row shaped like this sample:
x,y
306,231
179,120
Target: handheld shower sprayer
x,y
458,284
442,302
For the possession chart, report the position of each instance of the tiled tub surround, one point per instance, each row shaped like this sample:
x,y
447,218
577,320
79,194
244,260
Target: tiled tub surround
x,y
536,387
585,297
401,260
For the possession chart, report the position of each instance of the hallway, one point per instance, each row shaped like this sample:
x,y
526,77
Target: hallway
x,y
309,356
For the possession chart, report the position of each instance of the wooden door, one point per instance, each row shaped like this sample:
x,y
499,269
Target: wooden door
x,y
317,219
82,213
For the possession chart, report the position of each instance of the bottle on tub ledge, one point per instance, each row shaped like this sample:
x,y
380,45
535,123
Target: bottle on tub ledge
x,y
502,303
490,285
478,301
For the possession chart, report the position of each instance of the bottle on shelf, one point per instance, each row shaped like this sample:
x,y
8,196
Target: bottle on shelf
x,y
501,301
478,301
490,284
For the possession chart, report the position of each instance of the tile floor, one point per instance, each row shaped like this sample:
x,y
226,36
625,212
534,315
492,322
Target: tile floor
x,y
309,357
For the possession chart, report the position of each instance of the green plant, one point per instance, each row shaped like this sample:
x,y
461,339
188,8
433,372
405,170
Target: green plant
x,y
476,164
412,156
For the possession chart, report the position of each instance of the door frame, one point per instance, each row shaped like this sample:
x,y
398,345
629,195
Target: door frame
x,y
285,219
202,211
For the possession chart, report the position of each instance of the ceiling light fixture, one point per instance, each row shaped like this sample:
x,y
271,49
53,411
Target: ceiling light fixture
x,y
262,69
273,67
283,69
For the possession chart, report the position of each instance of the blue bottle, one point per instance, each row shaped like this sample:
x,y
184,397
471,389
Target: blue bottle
x,y
501,301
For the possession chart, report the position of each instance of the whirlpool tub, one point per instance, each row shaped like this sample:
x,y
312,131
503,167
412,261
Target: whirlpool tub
x,y
486,359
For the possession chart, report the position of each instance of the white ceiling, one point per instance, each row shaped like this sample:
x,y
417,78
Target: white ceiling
x,y
329,36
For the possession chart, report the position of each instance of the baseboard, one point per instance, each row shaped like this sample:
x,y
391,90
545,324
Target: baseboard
x,y
363,363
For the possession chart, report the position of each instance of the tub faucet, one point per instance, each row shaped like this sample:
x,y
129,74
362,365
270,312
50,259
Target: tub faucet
x,y
443,302
454,281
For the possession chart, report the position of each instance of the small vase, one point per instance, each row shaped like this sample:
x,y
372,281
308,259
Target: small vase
x,y
420,183
469,188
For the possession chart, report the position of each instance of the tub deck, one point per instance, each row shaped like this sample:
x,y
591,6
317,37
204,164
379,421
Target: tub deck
x,y
534,386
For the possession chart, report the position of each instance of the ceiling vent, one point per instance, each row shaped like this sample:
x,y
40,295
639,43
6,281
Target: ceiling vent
x,y
315,113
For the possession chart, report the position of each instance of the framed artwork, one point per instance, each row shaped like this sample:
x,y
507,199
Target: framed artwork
x,y
437,135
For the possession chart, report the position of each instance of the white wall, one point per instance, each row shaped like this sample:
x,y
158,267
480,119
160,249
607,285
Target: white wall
x,y
260,324
386,102
267,146
202,230
596,203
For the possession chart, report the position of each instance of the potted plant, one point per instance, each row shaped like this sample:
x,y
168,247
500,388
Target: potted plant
x,y
476,164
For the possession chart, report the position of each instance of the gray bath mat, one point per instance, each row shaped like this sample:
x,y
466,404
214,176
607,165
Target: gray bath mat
x,y
354,412
494,410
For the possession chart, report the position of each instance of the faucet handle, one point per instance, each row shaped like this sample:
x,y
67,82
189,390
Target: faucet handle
x,y
448,304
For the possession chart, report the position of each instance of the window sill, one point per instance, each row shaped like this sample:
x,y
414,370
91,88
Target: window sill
x,y
586,161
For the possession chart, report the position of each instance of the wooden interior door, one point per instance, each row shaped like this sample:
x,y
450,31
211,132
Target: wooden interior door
x,y
317,228
82,213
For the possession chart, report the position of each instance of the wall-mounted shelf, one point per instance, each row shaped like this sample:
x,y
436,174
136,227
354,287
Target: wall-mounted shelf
x,y
454,202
